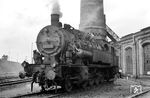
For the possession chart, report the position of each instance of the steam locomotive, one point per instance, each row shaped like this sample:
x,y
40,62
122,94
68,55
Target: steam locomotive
x,y
69,57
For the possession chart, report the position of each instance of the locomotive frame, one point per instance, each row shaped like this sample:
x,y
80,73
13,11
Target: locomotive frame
x,y
82,70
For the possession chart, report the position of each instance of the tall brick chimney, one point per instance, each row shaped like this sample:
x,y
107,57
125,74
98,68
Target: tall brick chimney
x,y
92,18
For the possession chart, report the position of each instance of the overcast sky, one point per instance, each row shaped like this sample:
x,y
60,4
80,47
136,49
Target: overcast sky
x,y
21,20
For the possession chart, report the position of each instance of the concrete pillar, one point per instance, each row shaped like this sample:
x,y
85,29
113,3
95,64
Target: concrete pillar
x,y
92,18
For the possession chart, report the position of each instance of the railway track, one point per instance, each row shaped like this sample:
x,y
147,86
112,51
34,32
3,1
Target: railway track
x,y
24,91
39,94
11,82
36,95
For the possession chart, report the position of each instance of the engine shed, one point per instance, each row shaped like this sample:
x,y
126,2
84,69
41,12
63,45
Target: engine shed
x,y
135,53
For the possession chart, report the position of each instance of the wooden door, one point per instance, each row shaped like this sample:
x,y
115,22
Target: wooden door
x,y
129,64
146,49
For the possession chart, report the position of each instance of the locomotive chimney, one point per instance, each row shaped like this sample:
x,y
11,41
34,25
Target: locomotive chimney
x,y
55,13
92,18
55,19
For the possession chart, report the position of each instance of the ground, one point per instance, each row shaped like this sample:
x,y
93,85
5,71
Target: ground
x,y
119,89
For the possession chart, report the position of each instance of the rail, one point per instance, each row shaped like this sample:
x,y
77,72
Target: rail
x,y
46,94
15,82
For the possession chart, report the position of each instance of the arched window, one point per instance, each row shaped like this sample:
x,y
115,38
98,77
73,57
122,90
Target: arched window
x,y
106,48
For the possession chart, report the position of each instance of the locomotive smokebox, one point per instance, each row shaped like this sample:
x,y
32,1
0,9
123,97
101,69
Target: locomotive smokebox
x,y
55,19
92,18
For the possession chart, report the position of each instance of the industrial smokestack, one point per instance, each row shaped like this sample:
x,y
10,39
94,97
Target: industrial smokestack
x,y
92,18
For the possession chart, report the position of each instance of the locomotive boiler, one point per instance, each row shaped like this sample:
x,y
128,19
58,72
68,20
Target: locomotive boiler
x,y
70,58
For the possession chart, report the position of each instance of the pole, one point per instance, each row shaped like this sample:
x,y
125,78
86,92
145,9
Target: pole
x,y
31,52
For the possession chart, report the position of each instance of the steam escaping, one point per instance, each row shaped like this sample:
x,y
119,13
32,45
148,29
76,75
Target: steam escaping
x,y
56,7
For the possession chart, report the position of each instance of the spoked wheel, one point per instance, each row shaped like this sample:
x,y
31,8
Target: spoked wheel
x,y
91,82
116,77
84,85
101,78
67,85
113,79
43,87
97,81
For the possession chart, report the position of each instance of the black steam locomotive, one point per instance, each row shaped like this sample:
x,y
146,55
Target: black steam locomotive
x,y
68,57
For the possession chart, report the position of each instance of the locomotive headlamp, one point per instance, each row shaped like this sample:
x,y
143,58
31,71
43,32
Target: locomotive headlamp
x,y
51,74
120,70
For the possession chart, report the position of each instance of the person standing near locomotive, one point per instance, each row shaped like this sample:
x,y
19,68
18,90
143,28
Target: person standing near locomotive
x,y
34,79
37,57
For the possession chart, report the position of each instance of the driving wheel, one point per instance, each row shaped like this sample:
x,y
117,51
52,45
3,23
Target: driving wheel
x,y
67,85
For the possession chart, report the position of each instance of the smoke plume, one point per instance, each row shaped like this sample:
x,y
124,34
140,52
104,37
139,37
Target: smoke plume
x,y
56,7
